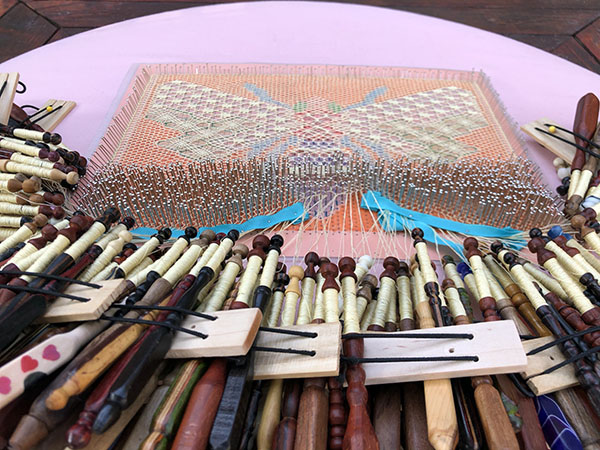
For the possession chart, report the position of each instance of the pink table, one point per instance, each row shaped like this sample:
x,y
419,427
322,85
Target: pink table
x,y
90,67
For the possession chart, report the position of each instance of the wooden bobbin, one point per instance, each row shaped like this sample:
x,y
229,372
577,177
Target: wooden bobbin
x,y
456,307
292,293
348,279
234,266
366,292
50,174
271,409
505,306
387,293
591,238
256,256
405,305
442,424
548,259
362,301
487,304
131,261
112,249
319,309
274,310
363,266
330,291
24,232
518,298
308,288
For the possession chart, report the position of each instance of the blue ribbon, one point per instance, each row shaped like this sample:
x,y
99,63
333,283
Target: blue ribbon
x,y
393,217
294,214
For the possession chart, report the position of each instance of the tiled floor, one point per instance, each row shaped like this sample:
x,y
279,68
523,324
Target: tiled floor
x,y
568,28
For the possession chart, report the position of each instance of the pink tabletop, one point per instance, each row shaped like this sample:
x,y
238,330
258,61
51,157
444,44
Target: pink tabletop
x,y
90,67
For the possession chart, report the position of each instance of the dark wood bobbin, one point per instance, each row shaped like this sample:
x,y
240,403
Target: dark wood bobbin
x,y
462,292
461,319
387,281
285,434
311,259
487,304
519,299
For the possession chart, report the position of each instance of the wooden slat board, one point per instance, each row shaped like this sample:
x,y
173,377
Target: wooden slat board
x,y
560,149
8,95
497,345
65,310
325,363
50,122
232,334
555,381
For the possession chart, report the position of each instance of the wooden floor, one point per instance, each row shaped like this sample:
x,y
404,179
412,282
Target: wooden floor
x,y
568,28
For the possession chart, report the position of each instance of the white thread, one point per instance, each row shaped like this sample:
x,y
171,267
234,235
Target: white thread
x,y
268,273
425,263
50,252
183,265
351,323
137,256
480,279
332,310
387,292
534,296
306,299
405,305
217,297
454,304
18,236
248,280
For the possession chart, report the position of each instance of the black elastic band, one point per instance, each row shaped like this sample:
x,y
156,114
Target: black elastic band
x,y
583,138
153,322
20,83
409,335
566,141
521,386
354,360
50,277
166,308
560,340
43,116
290,351
566,362
3,87
307,334
44,292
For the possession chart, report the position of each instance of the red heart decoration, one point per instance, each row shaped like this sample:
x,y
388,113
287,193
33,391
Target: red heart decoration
x,y
28,363
50,353
4,385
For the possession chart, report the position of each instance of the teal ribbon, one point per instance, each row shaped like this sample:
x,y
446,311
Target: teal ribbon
x,y
294,214
393,217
